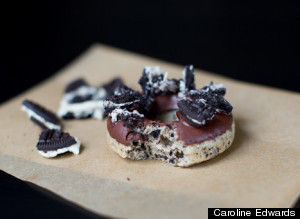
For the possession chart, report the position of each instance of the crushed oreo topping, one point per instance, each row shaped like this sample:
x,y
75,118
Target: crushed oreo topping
x,y
146,103
187,82
123,98
213,99
219,89
112,86
130,119
51,140
151,74
209,101
38,113
197,113
153,82
124,94
197,106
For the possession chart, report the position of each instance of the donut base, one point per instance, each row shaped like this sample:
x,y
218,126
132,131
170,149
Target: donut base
x,y
177,154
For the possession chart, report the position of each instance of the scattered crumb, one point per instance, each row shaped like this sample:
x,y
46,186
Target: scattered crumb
x,y
128,179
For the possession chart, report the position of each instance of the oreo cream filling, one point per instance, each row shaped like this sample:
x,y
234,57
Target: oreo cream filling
x,y
32,114
39,115
75,149
83,102
115,114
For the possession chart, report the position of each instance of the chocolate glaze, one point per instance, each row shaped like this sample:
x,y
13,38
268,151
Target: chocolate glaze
x,y
191,135
187,133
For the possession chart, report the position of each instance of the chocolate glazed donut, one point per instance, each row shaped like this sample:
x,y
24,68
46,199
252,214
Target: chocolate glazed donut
x,y
170,120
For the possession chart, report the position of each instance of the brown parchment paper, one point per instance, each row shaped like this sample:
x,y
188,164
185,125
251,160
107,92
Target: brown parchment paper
x,y
261,169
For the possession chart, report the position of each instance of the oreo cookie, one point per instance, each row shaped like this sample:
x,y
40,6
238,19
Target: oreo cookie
x,y
213,99
82,101
38,123
151,74
197,112
54,142
40,116
130,120
112,86
154,83
218,89
200,106
123,98
187,82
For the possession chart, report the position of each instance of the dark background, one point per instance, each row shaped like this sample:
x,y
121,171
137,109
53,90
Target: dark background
x,y
255,42
251,41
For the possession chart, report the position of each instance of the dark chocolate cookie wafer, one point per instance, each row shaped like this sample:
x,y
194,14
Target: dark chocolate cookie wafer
x,y
154,83
197,113
215,88
201,105
38,123
187,82
130,119
213,99
123,98
40,116
112,86
75,84
150,76
54,142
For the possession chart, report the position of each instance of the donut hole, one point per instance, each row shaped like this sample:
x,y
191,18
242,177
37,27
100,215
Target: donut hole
x,y
165,117
164,108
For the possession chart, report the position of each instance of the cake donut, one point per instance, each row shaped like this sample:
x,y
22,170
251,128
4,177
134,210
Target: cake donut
x,y
170,120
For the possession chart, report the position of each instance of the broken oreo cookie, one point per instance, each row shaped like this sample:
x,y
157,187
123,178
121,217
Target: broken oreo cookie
x,y
40,116
54,142
154,83
196,112
215,88
201,105
82,100
111,86
187,82
213,99
123,98
131,119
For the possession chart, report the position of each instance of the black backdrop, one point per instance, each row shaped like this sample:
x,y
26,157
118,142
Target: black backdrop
x,y
255,42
